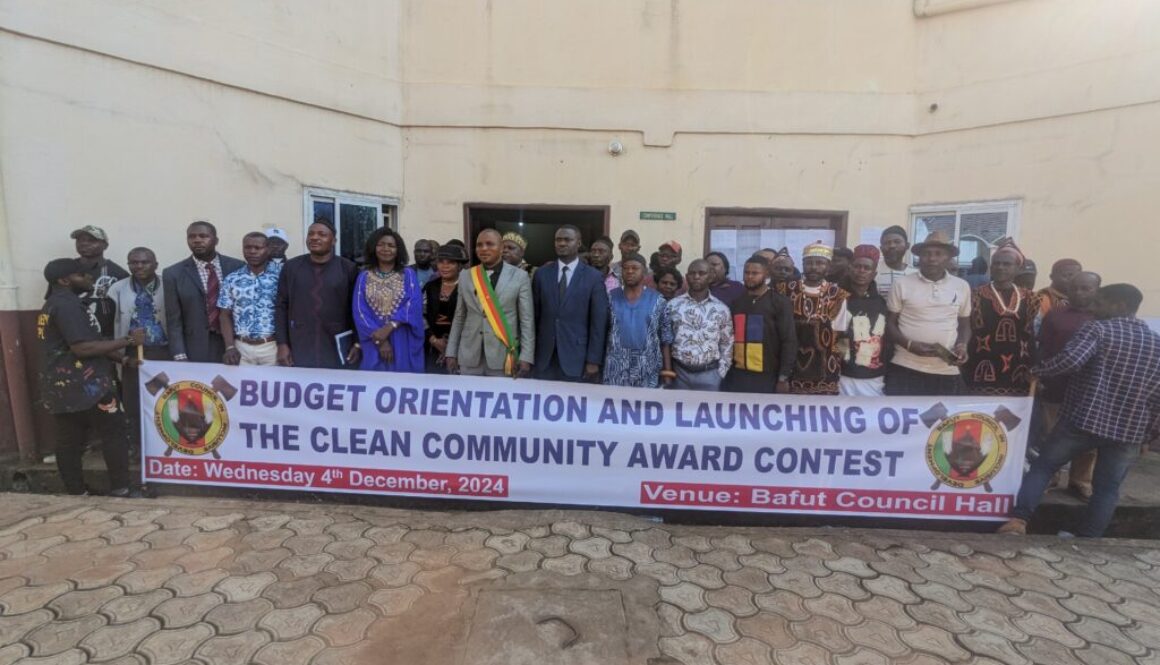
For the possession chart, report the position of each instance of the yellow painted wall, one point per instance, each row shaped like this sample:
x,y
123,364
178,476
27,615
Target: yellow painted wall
x,y
140,116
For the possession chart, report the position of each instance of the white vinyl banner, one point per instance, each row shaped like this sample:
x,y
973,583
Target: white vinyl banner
x,y
561,443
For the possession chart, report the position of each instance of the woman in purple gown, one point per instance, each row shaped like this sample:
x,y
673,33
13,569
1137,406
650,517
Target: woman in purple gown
x,y
388,307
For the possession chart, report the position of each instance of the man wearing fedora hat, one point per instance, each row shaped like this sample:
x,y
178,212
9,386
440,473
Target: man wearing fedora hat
x,y
929,322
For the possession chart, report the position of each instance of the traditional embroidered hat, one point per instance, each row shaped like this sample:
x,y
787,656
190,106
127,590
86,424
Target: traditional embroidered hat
x,y
867,252
818,249
516,238
1008,245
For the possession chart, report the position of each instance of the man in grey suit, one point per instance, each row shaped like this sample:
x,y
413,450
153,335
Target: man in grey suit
x,y
191,291
472,347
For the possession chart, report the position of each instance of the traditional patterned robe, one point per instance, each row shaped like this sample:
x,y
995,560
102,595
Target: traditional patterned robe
x,y
817,313
1002,341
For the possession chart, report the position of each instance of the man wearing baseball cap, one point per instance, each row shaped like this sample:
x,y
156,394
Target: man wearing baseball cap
x,y
278,242
629,244
91,243
77,384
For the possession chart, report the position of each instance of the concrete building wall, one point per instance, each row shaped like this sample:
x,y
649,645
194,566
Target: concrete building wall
x,y
141,116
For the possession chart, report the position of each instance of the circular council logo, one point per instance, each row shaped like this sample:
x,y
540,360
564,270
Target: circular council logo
x,y
966,450
191,417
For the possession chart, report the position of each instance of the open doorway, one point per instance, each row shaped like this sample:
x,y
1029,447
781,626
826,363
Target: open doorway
x,y
537,223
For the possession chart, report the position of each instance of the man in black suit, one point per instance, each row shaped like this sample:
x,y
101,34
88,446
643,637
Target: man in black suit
x,y
191,290
571,306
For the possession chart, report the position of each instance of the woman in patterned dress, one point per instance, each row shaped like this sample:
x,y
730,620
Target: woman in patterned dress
x,y
388,307
1002,329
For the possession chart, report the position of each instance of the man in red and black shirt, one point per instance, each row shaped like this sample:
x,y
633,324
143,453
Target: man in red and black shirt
x,y
1059,326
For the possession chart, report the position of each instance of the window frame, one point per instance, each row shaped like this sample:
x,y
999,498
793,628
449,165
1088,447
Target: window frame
x,y
340,197
1013,208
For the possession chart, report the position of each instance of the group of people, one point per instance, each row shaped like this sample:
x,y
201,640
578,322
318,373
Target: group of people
x,y
855,322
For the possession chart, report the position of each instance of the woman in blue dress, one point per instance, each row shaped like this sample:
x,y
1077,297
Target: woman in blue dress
x,y
633,355
388,307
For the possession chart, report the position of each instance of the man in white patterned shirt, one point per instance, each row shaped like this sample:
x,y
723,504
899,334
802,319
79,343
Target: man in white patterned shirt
x,y
701,330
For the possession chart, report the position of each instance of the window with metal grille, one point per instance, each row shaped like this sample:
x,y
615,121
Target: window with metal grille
x,y
974,227
354,216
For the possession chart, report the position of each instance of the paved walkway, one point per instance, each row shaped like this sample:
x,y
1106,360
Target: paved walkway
x,y
211,581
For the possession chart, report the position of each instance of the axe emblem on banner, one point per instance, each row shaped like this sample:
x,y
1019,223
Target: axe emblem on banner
x,y
191,417
967,449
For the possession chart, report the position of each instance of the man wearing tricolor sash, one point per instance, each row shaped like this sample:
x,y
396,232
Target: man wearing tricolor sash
x,y
493,333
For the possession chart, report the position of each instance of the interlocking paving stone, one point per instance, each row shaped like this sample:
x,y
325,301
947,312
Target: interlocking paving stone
x,y
186,610
823,631
238,617
725,560
142,580
770,563
114,590
785,603
1098,631
1050,628
987,619
1084,605
1098,654
344,629
689,648
838,608
292,593
392,602
114,641
887,610
804,653
994,646
744,651
934,641
28,598
291,623
75,604
14,628
240,588
298,652
58,636
617,568
665,573
569,564
508,544
169,647
126,609
343,597
521,562
1037,602
688,597
233,649
878,636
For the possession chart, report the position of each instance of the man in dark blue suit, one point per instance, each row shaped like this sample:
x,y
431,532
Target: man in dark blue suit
x,y
571,307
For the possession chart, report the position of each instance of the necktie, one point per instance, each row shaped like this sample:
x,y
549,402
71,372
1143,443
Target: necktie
x,y
212,287
563,282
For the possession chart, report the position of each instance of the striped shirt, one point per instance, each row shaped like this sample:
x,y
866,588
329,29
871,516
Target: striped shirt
x,y
1114,390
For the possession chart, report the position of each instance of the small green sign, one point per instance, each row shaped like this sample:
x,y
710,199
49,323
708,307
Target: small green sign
x,y
658,216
